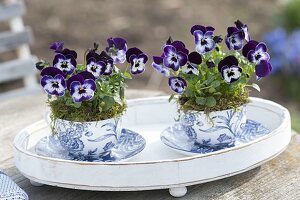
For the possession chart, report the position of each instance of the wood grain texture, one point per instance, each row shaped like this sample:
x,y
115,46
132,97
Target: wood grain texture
x,y
18,68
11,10
10,40
277,179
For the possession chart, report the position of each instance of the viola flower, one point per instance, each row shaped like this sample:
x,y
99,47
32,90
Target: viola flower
x,y
82,86
53,81
241,26
158,65
57,46
116,49
109,63
256,52
194,59
65,60
263,69
137,60
229,69
234,38
94,64
203,38
172,58
177,84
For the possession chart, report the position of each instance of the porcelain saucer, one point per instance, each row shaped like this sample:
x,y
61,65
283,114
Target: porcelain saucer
x,y
130,144
176,138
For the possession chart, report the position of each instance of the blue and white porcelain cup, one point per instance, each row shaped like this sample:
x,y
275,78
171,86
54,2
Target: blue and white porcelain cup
x,y
216,129
88,138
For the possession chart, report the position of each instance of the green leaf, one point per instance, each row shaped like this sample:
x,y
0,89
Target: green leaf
x,y
210,101
201,100
127,75
171,97
255,86
109,102
217,93
211,90
77,105
215,83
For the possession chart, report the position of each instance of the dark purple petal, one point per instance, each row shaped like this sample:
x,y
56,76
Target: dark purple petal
x,y
197,28
251,45
210,64
228,61
231,30
90,60
239,24
158,59
177,84
169,41
91,83
110,42
57,57
169,50
104,56
74,78
208,34
120,43
52,71
261,46
57,46
180,46
195,57
132,51
69,52
183,58
93,54
210,28
72,60
73,86
86,75
132,57
144,57
263,68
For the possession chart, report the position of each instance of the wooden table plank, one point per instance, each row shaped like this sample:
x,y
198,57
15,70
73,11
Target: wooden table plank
x,y
277,179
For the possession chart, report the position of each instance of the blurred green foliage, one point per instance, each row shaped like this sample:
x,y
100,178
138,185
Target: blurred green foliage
x,y
289,18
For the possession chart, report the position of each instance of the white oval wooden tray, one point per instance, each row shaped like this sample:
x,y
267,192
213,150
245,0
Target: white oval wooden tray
x,y
156,167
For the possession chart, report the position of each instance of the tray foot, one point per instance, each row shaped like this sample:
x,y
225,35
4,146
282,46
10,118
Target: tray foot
x,y
178,191
36,183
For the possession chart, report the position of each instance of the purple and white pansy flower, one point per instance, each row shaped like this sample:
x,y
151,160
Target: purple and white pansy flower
x,y
204,39
109,63
229,69
158,65
241,26
65,59
234,38
53,81
116,49
194,60
57,46
177,84
137,60
263,69
82,86
94,64
256,52
172,58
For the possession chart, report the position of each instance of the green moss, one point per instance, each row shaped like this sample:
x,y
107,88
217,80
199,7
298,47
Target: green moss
x,y
226,101
86,112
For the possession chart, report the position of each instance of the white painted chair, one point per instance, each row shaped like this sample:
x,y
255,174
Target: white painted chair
x,y
17,39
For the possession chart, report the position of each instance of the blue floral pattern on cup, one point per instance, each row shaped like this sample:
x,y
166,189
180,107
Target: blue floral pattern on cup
x,y
88,138
176,138
217,129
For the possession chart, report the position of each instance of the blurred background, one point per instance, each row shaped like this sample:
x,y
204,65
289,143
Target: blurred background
x,y
147,25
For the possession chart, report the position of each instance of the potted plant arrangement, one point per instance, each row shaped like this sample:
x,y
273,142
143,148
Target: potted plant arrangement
x,y
87,100
211,85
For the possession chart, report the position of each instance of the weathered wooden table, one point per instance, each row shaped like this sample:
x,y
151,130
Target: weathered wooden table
x,y
277,179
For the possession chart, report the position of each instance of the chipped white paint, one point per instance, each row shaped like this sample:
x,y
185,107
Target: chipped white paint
x,y
156,167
